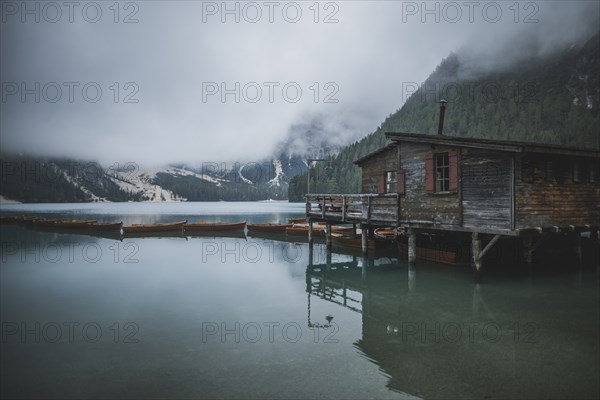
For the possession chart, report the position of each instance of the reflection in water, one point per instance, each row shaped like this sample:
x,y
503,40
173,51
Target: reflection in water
x,y
515,335
451,338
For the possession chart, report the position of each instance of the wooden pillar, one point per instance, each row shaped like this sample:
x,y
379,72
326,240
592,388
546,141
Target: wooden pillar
x,y
528,249
353,229
577,246
476,255
365,239
596,243
412,247
310,254
365,262
412,278
310,231
328,236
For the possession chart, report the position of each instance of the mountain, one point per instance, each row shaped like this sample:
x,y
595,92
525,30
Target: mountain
x,y
27,178
550,99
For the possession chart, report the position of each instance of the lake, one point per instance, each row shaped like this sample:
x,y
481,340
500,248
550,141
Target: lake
x,y
203,317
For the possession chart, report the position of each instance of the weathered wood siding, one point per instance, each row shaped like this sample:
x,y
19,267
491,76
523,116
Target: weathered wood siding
x,y
416,205
486,188
546,194
375,168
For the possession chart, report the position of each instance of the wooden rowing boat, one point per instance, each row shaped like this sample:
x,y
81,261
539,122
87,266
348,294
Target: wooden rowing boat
x,y
18,219
155,235
445,256
46,222
267,227
296,220
214,226
385,233
161,227
217,234
302,229
107,226
341,229
318,229
74,224
355,241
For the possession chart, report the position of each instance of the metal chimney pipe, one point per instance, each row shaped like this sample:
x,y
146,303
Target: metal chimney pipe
x,y
442,111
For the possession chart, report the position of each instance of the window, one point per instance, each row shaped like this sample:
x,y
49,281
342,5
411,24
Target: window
x,y
442,172
391,182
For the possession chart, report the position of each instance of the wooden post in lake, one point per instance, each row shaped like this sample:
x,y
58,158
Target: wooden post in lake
x,y
363,271
353,229
578,252
595,242
476,254
310,255
412,247
528,249
310,231
364,231
412,278
328,236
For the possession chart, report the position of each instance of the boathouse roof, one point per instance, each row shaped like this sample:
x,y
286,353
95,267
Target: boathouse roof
x,y
490,144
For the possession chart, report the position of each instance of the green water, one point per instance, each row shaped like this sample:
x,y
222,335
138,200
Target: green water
x,y
253,318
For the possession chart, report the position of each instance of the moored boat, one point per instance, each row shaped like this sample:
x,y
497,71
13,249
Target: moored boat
x,y
236,234
214,226
107,226
441,255
46,222
74,223
173,234
296,220
160,227
385,233
268,227
302,229
355,241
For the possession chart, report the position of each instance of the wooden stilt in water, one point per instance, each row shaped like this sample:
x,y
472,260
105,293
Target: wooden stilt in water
x,y
596,242
578,252
365,262
310,231
328,236
365,238
354,229
412,247
528,249
412,278
310,254
476,255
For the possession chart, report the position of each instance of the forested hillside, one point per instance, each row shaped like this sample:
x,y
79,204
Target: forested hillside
x,y
555,99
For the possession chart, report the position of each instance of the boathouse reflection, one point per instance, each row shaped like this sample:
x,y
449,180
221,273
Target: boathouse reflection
x,y
441,338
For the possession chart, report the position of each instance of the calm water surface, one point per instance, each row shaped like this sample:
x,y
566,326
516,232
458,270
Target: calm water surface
x,y
254,318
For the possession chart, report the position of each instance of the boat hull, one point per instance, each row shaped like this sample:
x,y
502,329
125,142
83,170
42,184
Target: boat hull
x,y
143,228
269,227
215,227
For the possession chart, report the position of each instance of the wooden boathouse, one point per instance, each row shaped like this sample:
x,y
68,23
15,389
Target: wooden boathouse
x,y
487,188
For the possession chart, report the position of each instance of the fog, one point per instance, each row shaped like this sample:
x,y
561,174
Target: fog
x,y
155,82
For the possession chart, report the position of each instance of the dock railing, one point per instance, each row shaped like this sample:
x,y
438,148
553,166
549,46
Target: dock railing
x,y
354,208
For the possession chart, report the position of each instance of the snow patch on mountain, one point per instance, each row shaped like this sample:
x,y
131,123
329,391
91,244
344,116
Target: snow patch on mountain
x,y
279,175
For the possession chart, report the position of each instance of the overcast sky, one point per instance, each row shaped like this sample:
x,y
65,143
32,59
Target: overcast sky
x,y
175,60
